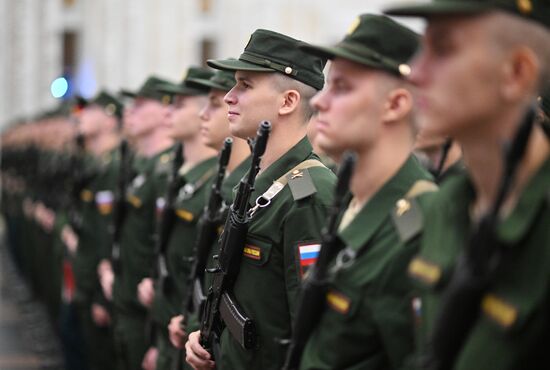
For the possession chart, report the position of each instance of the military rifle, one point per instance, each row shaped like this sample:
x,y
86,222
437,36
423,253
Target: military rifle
x,y
311,302
167,220
476,266
220,308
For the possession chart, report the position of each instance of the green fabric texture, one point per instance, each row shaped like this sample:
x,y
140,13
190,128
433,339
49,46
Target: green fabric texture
x,y
268,284
375,41
112,105
535,10
150,90
512,332
185,88
373,327
269,51
221,80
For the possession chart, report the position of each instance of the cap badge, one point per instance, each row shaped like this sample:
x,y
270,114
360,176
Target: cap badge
x,y
166,99
353,26
404,70
524,6
403,206
110,109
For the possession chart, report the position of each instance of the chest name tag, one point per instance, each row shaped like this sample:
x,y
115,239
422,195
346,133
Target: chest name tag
x,y
424,271
499,311
338,302
86,195
135,201
253,252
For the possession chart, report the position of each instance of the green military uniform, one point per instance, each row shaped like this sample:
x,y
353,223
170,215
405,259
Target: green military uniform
x,y
269,279
368,322
188,208
137,252
270,273
512,330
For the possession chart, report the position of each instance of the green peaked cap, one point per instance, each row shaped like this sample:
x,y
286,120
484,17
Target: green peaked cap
x,y
221,80
535,10
375,41
109,103
150,90
269,51
186,88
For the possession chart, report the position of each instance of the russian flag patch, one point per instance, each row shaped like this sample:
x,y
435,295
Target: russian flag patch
x,y
308,255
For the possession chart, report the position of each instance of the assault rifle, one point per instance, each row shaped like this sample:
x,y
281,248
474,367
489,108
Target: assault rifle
x,y
311,302
476,266
220,308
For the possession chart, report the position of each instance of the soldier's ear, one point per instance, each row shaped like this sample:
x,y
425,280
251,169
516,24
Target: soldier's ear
x,y
290,102
520,73
398,105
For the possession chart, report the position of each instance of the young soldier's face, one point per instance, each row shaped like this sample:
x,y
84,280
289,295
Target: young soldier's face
x,y
349,108
92,120
457,74
144,117
184,117
253,99
214,126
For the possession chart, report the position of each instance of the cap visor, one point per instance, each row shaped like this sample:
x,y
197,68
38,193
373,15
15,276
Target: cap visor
x,y
199,82
337,52
437,8
180,90
236,65
128,93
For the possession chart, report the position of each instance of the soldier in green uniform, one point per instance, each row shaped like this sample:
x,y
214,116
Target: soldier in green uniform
x,y
214,130
367,107
275,81
198,168
146,124
482,66
99,126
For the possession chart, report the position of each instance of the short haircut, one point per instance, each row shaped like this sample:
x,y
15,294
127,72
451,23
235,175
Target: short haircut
x,y
283,83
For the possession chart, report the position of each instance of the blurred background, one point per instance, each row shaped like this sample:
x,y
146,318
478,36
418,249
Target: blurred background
x,y
54,49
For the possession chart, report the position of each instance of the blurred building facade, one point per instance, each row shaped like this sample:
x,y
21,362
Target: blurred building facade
x,y
117,43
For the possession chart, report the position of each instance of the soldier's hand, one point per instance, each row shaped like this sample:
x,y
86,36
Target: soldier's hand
x,y
150,359
196,356
177,334
106,280
100,315
146,292
70,239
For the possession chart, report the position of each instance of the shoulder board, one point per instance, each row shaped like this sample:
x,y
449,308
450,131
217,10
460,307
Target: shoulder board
x,y
407,213
300,183
163,164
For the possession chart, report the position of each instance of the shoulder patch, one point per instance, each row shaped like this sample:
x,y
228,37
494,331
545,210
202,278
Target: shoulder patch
x,y
407,218
300,183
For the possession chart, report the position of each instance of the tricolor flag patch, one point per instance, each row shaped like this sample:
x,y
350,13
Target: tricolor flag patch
x,y
104,201
308,255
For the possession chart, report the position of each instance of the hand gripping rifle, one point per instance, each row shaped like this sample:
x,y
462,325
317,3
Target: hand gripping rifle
x,y
476,266
311,303
120,209
208,225
220,307
167,220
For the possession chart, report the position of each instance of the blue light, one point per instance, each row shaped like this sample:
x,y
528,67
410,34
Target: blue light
x,y
59,87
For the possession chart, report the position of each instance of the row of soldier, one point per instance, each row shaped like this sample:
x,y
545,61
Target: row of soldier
x,y
377,269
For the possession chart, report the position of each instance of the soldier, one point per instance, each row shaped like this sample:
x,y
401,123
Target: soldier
x,y
275,81
194,175
214,130
99,126
146,123
483,266
366,107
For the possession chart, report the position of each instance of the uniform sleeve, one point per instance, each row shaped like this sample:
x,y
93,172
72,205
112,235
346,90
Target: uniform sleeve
x,y
301,239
